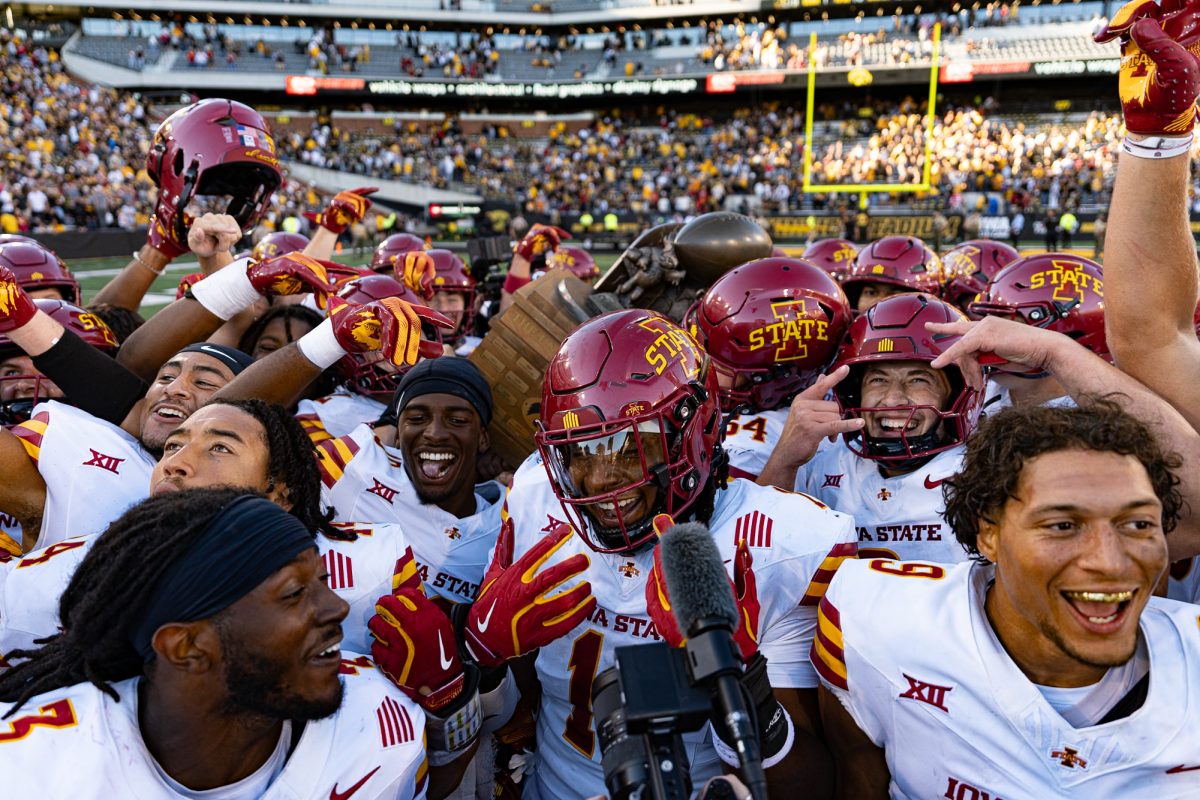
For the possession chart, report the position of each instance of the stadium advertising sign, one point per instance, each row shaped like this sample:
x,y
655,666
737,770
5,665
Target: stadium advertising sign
x,y
629,87
823,227
1099,66
968,71
308,84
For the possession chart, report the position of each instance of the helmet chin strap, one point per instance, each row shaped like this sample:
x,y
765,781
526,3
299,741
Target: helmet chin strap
x,y
890,450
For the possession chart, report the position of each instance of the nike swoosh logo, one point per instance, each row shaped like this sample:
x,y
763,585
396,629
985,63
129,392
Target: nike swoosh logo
x,y
1182,768
334,794
483,623
446,662
930,484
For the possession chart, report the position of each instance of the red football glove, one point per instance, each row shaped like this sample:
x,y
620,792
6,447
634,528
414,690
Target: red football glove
x,y
414,641
345,209
294,273
162,238
518,609
187,282
417,271
16,308
1160,73
745,592
390,326
540,239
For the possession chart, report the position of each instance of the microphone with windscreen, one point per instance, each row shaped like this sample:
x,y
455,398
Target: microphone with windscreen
x,y
706,612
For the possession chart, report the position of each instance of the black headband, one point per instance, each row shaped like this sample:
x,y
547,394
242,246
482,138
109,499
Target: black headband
x,y
231,357
446,375
244,544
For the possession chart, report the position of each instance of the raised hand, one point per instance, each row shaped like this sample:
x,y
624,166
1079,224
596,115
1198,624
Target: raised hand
x,y
539,240
212,234
414,641
1160,74
16,307
390,326
518,609
417,271
346,208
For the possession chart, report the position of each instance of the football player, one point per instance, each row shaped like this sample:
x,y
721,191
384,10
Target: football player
x,y
392,249
202,651
891,265
536,245
630,428
454,296
770,328
1150,292
576,260
903,422
1058,291
1044,668
40,272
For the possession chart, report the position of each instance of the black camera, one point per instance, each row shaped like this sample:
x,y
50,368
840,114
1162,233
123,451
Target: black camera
x,y
489,257
642,706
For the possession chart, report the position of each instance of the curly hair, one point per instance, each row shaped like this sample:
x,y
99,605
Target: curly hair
x,y
108,594
1004,443
292,461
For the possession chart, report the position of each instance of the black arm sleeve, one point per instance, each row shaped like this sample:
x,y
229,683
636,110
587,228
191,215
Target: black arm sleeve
x,y
91,380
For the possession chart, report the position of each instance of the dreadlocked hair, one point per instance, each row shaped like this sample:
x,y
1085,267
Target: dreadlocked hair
x,y
108,596
292,461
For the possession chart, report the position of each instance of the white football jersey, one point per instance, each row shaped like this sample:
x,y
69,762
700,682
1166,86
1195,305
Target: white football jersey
x,y
749,440
996,398
908,650
797,543
93,470
360,572
898,517
338,413
467,346
80,743
365,480
1184,583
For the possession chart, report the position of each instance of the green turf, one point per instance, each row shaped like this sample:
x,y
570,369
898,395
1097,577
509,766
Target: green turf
x,y
163,290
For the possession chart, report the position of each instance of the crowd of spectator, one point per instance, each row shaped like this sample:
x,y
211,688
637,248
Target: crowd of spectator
x,y
75,154
683,163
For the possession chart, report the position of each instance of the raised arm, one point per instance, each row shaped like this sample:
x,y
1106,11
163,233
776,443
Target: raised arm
x,y
1150,255
540,240
1085,376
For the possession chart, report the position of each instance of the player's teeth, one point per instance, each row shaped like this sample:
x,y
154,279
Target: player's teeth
x,y
1101,597
437,456
1103,620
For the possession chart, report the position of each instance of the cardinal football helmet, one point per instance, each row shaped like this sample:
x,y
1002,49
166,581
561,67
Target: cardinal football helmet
x,y
576,260
213,147
771,327
1059,291
37,267
629,404
835,256
391,248
903,261
453,277
371,374
20,389
970,267
894,330
279,243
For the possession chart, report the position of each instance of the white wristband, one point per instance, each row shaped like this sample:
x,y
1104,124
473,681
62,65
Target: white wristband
x,y
227,291
1157,147
320,345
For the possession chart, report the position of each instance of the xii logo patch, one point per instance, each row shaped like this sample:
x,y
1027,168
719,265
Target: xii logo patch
x,y
384,491
833,481
109,463
929,693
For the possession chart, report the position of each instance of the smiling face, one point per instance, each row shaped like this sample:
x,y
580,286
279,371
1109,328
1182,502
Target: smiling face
x,y
440,437
607,464
217,446
453,305
896,384
1078,552
182,385
279,644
